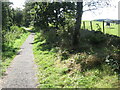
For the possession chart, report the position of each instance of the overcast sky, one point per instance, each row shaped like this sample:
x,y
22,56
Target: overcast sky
x,y
104,13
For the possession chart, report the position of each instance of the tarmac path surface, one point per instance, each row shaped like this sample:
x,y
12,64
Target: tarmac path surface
x,y
22,71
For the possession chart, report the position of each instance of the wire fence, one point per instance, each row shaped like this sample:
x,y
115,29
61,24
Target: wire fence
x,y
103,26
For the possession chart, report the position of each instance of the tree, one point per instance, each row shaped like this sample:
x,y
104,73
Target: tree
x,y
91,5
77,25
27,18
18,17
6,15
45,14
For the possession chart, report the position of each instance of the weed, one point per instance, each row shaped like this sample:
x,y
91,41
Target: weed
x,y
61,69
8,52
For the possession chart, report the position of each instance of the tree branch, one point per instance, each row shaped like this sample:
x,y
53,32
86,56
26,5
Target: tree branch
x,y
90,9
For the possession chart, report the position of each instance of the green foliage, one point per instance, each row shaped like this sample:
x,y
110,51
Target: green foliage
x,y
10,36
50,36
97,38
63,55
7,15
11,16
59,37
60,69
114,64
98,26
10,50
45,15
80,57
27,18
10,32
65,33
18,17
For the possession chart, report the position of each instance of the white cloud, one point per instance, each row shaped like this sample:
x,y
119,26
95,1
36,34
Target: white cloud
x,y
17,3
104,13
110,12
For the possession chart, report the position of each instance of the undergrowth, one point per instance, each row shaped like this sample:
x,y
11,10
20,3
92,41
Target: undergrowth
x,y
9,50
84,69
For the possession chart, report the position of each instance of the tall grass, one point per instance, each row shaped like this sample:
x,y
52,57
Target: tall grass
x,y
13,39
61,69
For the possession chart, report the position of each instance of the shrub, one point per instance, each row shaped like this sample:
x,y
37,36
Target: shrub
x,y
63,55
10,36
97,38
114,63
65,35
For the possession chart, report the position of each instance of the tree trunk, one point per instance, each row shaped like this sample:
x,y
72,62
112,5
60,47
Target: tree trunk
x,y
76,35
56,17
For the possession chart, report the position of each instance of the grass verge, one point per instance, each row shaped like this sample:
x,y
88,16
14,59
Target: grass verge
x,y
8,55
56,71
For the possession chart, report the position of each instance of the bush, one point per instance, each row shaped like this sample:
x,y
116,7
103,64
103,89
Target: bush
x,y
87,61
97,38
65,35
61,69
63,55
11,35
114,63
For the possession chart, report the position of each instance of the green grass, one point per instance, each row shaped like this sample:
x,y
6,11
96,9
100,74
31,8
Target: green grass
x,y
8,55
54,73
28,28
113,29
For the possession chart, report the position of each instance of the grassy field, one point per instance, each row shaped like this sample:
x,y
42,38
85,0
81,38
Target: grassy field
x,y
113,29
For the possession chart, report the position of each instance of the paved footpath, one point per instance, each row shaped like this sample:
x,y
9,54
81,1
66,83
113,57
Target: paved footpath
x,y
22,71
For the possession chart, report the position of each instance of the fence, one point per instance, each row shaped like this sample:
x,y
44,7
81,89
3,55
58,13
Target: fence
x,y
101,26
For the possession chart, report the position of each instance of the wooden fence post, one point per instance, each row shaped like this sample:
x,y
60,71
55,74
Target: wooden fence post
x,y
91,25
84,25
103,27
118,30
